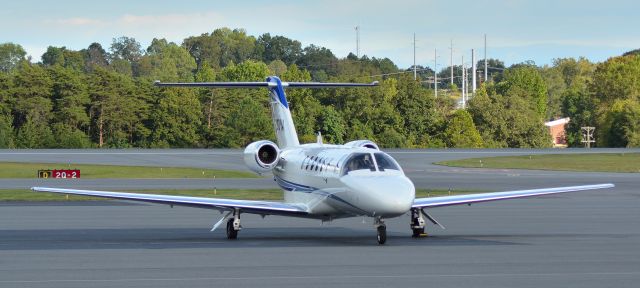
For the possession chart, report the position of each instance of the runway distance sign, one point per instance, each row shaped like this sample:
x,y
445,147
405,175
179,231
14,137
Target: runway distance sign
x,y
59,173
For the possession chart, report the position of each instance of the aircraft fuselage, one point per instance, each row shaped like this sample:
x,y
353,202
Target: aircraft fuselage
x,y
336,181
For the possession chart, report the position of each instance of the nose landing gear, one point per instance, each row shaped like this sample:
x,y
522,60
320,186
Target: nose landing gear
x,y
382,230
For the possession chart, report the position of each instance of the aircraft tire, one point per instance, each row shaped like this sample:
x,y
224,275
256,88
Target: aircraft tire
x,y
382,234
231,233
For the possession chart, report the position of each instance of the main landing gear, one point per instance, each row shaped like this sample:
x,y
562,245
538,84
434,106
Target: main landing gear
x,y
417,223
382,230
233,225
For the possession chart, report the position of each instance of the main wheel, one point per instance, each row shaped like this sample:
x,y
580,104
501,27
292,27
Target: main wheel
x,y
417,232
231,233
382,234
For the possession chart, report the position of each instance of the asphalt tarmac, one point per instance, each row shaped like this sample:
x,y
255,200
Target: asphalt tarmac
x,y
586,239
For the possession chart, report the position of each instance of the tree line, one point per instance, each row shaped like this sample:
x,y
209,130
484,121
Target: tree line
x,y
97,97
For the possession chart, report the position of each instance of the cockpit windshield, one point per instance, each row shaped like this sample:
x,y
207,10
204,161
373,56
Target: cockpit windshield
x,y
359,161
385,162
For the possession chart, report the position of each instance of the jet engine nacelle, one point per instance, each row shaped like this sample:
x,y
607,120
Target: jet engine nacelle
x,y
261,156
363,143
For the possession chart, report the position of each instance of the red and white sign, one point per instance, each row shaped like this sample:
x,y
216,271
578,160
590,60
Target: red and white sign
x,y
65,173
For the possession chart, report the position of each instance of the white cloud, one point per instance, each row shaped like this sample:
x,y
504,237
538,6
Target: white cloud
x,y
78,21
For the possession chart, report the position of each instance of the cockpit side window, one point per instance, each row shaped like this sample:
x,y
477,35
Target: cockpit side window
x,y
385,162
359,161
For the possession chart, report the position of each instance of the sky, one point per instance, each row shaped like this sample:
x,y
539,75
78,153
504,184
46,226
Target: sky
x,y
517,30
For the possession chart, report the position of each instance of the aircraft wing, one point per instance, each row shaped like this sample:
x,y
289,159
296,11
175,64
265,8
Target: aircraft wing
x,y
495,196
254,207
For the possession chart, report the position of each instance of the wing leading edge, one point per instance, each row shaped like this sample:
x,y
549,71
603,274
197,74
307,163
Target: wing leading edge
x,y
254,207
495,196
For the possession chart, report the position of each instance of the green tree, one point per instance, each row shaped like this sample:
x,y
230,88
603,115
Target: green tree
x,y
126,48
6,132
95,56
417,106
616,88
247,122
332,125
70,97
495,67
621,125
115,109
277,68
176,118
245,71
53,56
10,55
221,48
125,54
460,132
34,134
525,80
167,61
507,120
617,78
305,108
390,138
31,94
565,74
581,109
67,137
319,61
270,48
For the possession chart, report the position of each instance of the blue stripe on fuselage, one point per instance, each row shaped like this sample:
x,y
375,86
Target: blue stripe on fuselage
x,y
294,187
279,90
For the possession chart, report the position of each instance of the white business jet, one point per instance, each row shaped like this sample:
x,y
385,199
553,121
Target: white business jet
x,y
321,181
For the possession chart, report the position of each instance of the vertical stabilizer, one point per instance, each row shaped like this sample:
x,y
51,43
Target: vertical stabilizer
x,y
281,115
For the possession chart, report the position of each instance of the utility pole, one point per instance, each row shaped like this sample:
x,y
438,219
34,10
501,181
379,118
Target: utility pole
x,y
415,73
464,100
358,41
451,47
486,71
587,136
435,71
473,72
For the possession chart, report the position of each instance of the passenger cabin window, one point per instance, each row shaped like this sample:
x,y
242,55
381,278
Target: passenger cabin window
x,y
359,161
385,162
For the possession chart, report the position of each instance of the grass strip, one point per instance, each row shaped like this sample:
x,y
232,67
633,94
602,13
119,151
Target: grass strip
x,y
597,162
30,170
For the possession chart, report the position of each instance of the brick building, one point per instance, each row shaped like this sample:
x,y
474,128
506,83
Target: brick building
x,y
557,131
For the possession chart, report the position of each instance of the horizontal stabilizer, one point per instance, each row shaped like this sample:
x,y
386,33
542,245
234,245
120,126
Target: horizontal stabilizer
x,y
264,84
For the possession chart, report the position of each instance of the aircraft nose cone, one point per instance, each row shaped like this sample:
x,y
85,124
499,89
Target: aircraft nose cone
x,y
386,196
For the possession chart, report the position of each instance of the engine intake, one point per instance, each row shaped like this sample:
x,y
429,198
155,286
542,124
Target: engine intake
x,y
363,143
261,156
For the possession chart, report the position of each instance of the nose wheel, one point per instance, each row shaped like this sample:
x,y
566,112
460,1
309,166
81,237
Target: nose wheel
x,y
382,230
